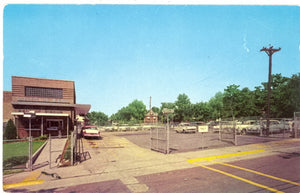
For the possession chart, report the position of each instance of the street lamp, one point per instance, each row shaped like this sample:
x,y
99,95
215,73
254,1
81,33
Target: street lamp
x,y
30,115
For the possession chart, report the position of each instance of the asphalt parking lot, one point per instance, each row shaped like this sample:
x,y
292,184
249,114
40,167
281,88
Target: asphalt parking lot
x,y
184,142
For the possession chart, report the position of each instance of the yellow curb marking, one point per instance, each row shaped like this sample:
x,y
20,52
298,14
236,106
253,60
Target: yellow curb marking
x,y
192,161
224,156
26,183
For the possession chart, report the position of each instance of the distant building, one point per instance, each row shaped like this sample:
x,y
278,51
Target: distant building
x,y
53,103
151,117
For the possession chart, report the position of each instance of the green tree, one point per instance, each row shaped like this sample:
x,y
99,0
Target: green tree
x,y
260,101
279,96
97,118
133,113
10,130
183,110
215,106
247,103
201,112
231,101
284,95
137,110
293,93
155,109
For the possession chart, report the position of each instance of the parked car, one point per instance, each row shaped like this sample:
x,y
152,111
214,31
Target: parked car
x,y
227,126
241,127
90,131
186,128
254,128
275,127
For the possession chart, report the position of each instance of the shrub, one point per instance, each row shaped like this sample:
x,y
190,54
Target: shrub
x,y
10,130
43,137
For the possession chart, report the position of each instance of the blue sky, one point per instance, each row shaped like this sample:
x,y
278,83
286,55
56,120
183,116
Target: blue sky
x,y
119,53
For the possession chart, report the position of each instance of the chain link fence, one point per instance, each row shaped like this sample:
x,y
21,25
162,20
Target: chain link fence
x,y
16,152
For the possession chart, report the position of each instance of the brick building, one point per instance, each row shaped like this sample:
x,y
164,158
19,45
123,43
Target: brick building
x,y
52,101
151,117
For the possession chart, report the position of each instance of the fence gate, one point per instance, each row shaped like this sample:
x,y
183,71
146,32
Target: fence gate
x,y
296,126
57,150
159,137
227,132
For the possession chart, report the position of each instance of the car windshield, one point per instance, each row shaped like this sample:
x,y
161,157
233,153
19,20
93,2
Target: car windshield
x,y
92,128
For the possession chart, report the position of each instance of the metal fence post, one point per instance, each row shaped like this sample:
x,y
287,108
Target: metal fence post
x,y
220,127
50,150
168,135
235,135
295,125
30,154
72,148
151,138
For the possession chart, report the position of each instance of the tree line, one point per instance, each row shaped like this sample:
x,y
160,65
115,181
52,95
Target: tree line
x,y
232,102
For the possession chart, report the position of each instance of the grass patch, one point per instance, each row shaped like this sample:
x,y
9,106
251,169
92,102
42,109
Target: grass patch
x,y
19,148
16,153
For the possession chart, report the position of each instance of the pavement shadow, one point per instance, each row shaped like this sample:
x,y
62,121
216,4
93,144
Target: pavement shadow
x,y
40,165
81,157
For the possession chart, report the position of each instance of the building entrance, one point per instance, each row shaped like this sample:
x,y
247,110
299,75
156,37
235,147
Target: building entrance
x,y
54,126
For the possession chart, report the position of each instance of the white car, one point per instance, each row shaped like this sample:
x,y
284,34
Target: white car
x,y
186,128
90,131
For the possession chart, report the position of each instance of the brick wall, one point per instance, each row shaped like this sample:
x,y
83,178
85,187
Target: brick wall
x,y
19,83
7,107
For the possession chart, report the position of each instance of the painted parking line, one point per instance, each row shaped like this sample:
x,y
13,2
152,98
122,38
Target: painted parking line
x,y
240,178
212,158
259,173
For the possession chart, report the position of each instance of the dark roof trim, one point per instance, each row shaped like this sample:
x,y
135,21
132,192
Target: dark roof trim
x,y
79,108
42,104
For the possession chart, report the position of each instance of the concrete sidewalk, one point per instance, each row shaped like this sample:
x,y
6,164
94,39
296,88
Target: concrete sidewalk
x,y
44,159
116,158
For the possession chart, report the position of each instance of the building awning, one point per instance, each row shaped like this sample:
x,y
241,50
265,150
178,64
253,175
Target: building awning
x,y
79,108
82,109
42,104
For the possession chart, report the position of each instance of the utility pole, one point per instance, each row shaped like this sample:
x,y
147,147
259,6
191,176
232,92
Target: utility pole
x,y
270,51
